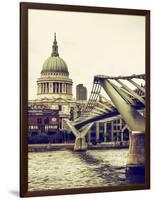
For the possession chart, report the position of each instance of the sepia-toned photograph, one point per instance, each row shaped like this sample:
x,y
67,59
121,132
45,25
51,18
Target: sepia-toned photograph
x,y
86,100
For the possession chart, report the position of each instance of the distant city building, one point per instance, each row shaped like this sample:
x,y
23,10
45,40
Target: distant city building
x,y
81,92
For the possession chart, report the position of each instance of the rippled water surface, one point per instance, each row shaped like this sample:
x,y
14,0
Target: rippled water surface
x,y
68,169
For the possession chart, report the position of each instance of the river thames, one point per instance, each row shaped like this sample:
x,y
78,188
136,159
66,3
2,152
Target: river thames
x,y
65,169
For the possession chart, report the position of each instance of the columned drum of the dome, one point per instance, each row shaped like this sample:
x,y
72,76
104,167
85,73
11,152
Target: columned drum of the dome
x,y
54,81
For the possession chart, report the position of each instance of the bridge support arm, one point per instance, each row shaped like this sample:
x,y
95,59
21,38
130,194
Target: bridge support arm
x,y
80,140
132,117
131,92
137,85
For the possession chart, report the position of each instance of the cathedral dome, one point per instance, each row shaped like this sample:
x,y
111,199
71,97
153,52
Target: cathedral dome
x,y
54,82
54,63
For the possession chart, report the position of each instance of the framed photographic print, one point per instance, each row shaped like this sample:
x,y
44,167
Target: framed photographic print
x,y
85,99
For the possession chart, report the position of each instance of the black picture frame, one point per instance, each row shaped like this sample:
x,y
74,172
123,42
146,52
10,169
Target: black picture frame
x,y
24,7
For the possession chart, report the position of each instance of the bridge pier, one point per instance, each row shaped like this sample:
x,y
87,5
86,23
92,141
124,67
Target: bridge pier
x,y
80,141
136,157
80,144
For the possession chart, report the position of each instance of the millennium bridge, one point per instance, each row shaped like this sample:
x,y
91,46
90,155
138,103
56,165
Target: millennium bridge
x,y
123,101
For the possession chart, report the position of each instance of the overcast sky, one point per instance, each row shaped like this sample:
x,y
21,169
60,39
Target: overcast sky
x,y
89,43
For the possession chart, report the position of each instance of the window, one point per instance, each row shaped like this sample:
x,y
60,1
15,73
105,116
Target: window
x,y
60,87
93,128
47,87
53,87
126,135
108,126
46,121
34,133
57,87
108,137
101,126
39,121
60,107
60,124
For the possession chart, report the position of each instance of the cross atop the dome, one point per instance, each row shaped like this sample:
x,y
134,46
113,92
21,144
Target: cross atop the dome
x,y
55,47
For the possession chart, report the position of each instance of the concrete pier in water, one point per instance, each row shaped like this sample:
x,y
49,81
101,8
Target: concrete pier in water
x,y
136,156
80,144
